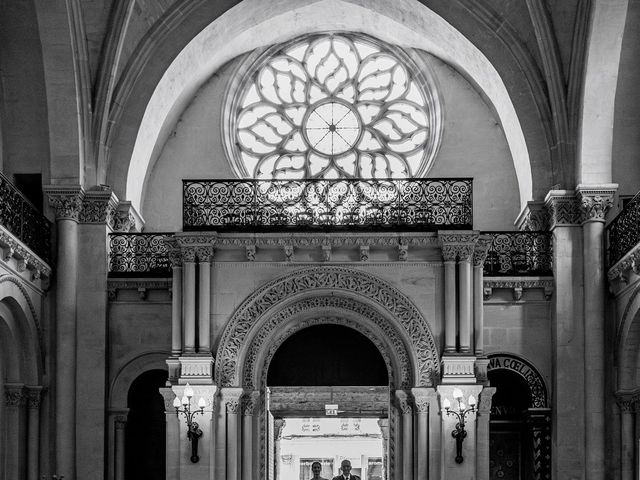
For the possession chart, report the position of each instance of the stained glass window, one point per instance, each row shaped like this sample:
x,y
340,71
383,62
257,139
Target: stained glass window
x,y
333,106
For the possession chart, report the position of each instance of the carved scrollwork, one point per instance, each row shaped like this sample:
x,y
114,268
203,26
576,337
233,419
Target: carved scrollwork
x,y
386,298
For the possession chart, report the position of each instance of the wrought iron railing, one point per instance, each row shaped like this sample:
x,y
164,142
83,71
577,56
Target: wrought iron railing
x,y
24,220
138,254
402,204
519,253
624,230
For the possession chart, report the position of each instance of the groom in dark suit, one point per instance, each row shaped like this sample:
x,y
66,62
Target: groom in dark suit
x,y
345,466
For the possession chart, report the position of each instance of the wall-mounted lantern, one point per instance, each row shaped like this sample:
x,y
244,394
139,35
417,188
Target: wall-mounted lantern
x,y
459,433
193,429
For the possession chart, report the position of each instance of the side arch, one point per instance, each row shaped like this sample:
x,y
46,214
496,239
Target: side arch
x,y
28,331
129,372
626,347
283,296
530,374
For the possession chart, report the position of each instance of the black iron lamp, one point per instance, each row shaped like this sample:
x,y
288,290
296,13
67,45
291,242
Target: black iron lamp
x,y
193,429
461,412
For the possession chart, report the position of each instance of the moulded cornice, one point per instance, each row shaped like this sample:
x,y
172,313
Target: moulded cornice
x,y
25,257
518,285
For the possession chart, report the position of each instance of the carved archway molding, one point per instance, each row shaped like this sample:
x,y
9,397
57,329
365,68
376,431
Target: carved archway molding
x,y
522,367
295,290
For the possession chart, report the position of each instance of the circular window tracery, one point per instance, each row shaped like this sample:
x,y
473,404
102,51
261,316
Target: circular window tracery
x,y
333,106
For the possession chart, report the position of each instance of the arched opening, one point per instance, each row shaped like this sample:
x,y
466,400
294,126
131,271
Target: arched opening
x,y
145,430
327,355
329,396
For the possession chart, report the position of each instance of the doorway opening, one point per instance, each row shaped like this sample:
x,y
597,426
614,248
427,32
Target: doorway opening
x,y
329,401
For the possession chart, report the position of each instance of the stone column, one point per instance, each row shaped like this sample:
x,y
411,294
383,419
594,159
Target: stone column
x,y
539,423
595,201
15,401
172,435
176,301
33,425
189,300
482,433
67,202
249,406
465,294
479,256
220,428
231,398
567,333
383,423
421,399
450,317
205,255
120,425
404,403
627,440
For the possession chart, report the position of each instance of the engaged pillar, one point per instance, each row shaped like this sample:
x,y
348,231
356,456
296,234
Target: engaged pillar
x,y
189,302
67,202
404,403
421,400
33,435
205,254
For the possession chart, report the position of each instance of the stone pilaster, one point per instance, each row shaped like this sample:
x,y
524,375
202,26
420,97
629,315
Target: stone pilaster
x,y
15,402
232,401
34,400
250,425
483,416
479,256
120,423
67,203
627,404
422,398
404,449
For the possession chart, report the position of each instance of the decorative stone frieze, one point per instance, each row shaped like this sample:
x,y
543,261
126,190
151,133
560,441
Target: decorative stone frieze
x,y
595,201
196,370
378,293
65,200
518,285
563,208
14,395
140,285
99,207
458,369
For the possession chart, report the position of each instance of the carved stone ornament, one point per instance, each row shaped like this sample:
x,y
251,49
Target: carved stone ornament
x,y
534,218
484,403
204,254
403,400
120,422
595,202
326,253
194,245
403,251
518,285
421,399
481,249
630,262
67,201
14,395
563,208
381,296
249,403
34,395
141,286
457,245
99,206
288,253
364,253
250,252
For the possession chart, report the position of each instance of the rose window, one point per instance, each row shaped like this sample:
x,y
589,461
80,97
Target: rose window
x,y
333,106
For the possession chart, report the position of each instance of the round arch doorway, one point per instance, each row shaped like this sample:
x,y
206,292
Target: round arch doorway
x,y
316,369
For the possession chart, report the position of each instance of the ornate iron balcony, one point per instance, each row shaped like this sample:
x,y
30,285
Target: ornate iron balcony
x,y
519,254
624,230
22,219
138,254
403,204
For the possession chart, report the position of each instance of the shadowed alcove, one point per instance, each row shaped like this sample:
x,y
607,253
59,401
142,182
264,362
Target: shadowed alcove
x,y
327,355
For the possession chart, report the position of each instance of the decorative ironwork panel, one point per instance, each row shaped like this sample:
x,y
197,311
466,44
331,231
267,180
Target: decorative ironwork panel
x,y
138,254
519,253
421,204
23,220
624,230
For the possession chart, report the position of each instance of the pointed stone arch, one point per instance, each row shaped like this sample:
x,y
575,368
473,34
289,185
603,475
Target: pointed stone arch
x,y
360,297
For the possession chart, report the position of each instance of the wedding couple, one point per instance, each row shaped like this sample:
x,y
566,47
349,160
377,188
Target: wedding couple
x,y
345,466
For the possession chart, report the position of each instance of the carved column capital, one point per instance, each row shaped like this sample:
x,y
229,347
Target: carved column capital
x,y
250,403
65,200
14,395
99,207
422,399
126,218
481,249
120,422
533,218
278,427
204,254
563,208
457,245
484,402
34,396
595,201
404,402
231,398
